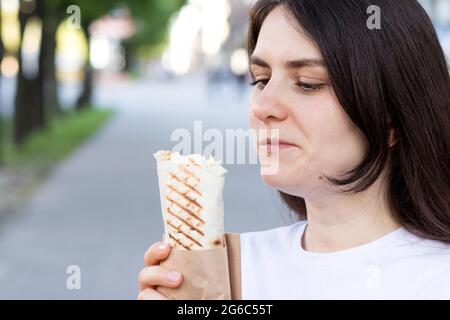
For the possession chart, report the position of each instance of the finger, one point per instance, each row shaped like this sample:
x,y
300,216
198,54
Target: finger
x,y
150,294
150,277
157,252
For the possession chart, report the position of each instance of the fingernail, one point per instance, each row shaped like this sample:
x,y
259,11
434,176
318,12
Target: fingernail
x,y
162,246
173,276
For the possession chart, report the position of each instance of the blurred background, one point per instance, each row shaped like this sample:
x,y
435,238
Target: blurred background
x,y
89,91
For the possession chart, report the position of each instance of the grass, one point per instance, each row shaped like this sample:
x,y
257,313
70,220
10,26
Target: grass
x,y
46,147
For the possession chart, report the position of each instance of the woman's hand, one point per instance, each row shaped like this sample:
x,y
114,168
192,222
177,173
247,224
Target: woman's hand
x,y
154,275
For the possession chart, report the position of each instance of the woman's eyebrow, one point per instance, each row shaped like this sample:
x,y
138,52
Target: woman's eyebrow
x,y
291,64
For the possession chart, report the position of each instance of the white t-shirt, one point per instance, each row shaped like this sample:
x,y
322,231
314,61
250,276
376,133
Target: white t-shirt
x,y
396,266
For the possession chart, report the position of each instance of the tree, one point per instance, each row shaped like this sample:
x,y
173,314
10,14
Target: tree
x,y
91,10
36,95
36,98
54,13
29,103
153,18
50,20
151,15
84,100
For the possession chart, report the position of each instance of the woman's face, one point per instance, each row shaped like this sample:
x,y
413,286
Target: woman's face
x,y
293,95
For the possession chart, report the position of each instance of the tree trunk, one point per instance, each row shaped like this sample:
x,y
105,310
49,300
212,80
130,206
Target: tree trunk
x,y
29,105
38,117
84,100
22,123
48,50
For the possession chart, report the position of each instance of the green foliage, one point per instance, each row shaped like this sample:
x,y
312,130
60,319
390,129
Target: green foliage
x,y
152,20
43,148
90,10
151,16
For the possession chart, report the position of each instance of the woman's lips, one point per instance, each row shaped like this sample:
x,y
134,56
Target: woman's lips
x,y
273,147
285,145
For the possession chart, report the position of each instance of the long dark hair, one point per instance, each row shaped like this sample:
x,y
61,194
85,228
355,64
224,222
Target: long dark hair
x,y
395,78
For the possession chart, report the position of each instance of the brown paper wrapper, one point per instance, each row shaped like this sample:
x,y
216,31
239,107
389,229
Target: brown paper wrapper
x,y
233,243
213,274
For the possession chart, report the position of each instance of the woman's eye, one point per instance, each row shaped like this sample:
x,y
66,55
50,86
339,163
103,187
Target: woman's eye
x,y
259,83
304,86
309,87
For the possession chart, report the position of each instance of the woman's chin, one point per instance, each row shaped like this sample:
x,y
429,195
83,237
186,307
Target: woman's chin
x,y
285,183
275,180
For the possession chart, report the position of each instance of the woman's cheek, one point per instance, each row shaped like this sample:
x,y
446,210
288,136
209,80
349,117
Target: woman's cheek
x,y
336,159
288,175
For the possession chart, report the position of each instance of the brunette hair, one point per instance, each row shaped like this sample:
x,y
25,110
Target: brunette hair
x,y
395,78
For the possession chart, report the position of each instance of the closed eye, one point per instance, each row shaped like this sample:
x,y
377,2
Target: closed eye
x,y
310,87
303,86
260,83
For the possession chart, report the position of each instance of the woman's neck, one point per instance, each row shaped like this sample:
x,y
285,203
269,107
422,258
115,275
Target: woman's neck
x,y
342,221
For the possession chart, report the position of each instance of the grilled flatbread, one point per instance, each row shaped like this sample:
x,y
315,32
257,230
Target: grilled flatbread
x,y
191,193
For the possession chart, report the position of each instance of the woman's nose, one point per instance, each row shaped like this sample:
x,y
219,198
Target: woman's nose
x,y
268,106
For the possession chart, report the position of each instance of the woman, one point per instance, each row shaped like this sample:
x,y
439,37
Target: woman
x,y
363,115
